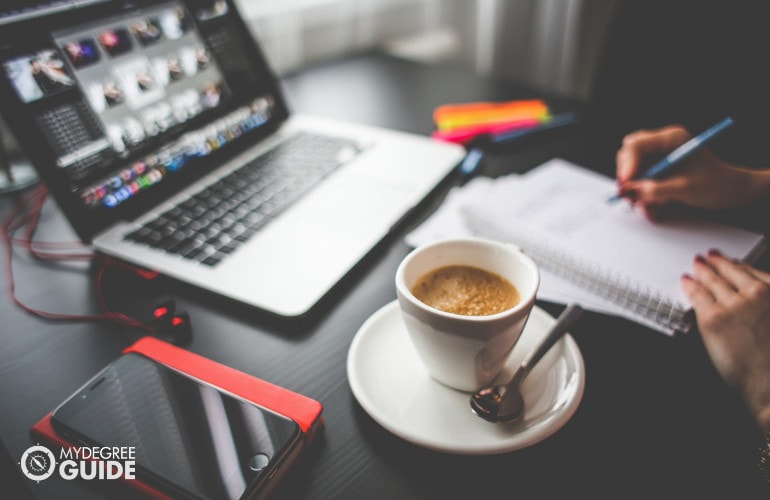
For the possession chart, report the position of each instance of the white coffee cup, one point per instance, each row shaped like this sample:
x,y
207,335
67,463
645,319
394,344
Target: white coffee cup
x,y
466,352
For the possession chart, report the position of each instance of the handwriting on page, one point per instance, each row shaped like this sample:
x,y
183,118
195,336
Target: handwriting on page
x,y
563,208
560,207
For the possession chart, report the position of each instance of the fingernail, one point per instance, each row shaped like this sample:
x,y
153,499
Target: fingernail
x,y
701,259
686,276
713,252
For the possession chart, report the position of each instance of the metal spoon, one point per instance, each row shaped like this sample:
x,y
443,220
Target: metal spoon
x,y
504,403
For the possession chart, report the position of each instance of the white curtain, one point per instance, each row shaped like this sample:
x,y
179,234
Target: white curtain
x,y
295,32
551,44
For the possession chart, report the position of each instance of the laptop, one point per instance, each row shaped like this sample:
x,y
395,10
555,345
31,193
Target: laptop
x,y
164,136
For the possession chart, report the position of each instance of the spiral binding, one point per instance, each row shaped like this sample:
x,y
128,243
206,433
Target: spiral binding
x,y
613,286
616,288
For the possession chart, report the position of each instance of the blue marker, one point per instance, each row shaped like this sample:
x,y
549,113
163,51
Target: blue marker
x,y
473,159
675,158
471,162
556,121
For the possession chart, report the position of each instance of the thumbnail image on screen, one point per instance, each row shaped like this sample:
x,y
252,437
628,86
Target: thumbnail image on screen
x,y
147,31
38,75
115,42
82,53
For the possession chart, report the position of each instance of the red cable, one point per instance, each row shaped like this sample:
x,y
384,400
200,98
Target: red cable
x,y
31,221
23,216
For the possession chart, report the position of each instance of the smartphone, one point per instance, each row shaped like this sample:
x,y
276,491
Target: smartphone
x,y
189,438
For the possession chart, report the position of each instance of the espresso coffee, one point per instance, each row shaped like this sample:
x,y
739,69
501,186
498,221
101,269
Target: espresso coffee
x,y
466,290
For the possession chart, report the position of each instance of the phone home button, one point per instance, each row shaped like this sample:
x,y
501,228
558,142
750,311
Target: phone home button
x,y
258,462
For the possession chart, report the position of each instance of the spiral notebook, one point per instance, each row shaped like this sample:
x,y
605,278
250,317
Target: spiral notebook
x,y
593,251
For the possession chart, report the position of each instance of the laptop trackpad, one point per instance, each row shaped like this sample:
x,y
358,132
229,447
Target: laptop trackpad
x,y
295,259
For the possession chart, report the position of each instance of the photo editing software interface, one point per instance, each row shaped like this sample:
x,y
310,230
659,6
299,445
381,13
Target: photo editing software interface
x,y
117,99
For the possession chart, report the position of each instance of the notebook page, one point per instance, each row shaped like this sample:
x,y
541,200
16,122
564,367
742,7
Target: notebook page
x,y
562,209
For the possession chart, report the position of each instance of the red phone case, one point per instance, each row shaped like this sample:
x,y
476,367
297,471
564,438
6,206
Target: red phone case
x,y
303,410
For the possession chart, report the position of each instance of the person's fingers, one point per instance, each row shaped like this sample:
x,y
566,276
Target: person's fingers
x,y
698,295
654,213
722,290
750,270
629,158
657,192
760,275
643,144
626,165
735,274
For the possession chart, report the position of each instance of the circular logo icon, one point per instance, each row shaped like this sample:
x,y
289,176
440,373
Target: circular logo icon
x,y
38,463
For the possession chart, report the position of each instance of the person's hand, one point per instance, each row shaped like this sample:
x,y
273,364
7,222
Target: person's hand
x,y
702,181
732,307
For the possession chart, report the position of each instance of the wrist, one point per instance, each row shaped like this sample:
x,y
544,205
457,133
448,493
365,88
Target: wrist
x,y
758,184
756,393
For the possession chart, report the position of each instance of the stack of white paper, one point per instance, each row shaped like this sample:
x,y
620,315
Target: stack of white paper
x,y
603,256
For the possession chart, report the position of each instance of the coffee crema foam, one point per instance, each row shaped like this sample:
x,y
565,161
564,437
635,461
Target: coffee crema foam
x,y
466,290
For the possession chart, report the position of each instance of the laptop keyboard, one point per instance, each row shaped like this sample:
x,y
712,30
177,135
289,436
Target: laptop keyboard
x,y
214,222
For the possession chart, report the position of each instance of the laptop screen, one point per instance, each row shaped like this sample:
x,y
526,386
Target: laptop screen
x,y
120,103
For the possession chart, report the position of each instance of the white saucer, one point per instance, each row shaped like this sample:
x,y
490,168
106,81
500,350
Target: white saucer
x,y
390,382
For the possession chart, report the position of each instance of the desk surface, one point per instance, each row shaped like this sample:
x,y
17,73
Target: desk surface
x,y
655,419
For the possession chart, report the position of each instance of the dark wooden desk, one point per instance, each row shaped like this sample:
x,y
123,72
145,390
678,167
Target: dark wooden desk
x,y
655,421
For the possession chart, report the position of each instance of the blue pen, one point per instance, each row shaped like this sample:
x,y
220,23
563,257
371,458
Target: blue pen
x,y
675,158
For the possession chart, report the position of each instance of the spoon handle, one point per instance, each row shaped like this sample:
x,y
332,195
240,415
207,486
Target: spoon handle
x,y
566,318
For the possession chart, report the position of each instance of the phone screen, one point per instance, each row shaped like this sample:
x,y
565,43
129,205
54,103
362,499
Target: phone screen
x,y
189,438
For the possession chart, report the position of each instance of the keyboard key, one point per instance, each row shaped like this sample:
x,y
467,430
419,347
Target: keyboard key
x,y
214,222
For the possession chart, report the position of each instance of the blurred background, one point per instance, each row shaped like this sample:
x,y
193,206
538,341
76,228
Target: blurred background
x,y
634,63
550,44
